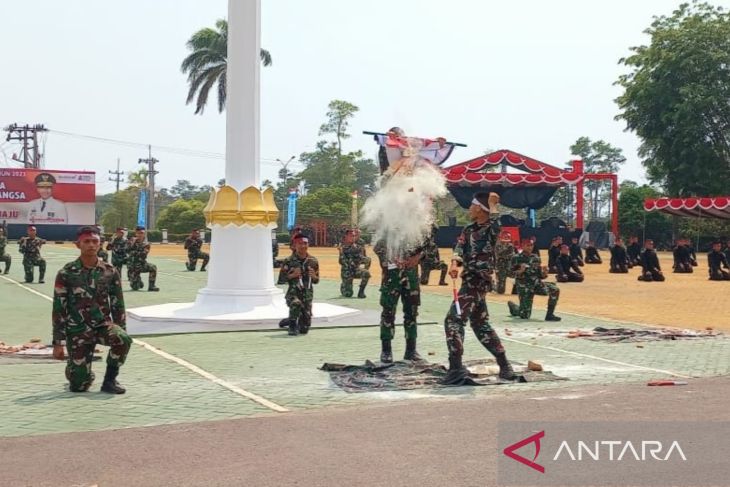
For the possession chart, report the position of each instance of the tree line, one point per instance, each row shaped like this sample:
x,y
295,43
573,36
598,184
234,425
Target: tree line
x,y
675,98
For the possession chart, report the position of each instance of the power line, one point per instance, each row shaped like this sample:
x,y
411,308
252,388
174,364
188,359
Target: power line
x,y
161,148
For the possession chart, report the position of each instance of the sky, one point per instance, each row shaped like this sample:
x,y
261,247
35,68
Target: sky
x,y
526,75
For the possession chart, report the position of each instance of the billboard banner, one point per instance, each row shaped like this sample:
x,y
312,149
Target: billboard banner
x,y
47,197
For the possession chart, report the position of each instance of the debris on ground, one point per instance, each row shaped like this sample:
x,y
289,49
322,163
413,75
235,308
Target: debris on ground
x,y
534,366
615,335
667,383
14,349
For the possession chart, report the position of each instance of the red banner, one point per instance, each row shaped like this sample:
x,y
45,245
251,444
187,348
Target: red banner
x,y
45,196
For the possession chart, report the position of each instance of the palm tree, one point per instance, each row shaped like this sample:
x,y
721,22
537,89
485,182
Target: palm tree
x,y
207,64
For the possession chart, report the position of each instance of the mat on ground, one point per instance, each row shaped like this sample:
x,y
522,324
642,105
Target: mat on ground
x,y
408,375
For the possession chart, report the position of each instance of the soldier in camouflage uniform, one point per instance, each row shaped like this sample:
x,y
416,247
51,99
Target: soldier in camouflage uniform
x,y
88,308
529,274
504,251
352,266
365,261
30,247
4,257
193,245
474,252
399,282
118,248
300,271
432,260
137,261
102,253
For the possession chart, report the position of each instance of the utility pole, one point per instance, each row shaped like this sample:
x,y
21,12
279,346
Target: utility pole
x,y
284,176
117,175
150,161
30,156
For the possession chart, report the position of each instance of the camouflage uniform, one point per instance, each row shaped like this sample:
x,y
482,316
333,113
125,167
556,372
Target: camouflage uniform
x,y
474,251
118,247
102,254
529,283
365,261
432,260
275,252
31,250
504,251
137,264
193,246
300,293
88,308
398,283
352,267
3,256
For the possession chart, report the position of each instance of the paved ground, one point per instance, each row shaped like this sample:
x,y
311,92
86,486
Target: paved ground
x,y
423,443
238,369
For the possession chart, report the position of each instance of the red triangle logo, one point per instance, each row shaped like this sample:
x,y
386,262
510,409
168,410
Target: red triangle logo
x,y
510,451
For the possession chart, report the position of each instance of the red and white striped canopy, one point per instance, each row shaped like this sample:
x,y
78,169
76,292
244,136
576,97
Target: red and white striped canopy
x,y
718,207
538,173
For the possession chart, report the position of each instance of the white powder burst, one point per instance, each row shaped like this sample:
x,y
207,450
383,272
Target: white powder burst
x,y
401,211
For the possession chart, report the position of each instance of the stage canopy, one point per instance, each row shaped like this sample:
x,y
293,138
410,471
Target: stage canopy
x,y
532,189
718,207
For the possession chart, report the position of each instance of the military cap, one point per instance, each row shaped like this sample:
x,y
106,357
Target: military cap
x,y
87,230
45,180
140,228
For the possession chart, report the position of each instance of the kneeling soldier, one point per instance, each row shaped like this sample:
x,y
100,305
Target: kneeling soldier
x,y
88,308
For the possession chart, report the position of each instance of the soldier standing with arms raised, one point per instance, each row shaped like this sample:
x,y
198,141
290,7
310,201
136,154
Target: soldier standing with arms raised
x,y
474,253
400,282
30,247
88,308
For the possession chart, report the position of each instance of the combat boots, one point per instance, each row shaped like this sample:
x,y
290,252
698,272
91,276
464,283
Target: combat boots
x,y
505,369
514,310
305,323
110,384
442,279
152,287
361,292
457,372
293,327
411,352
386,354
550,316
